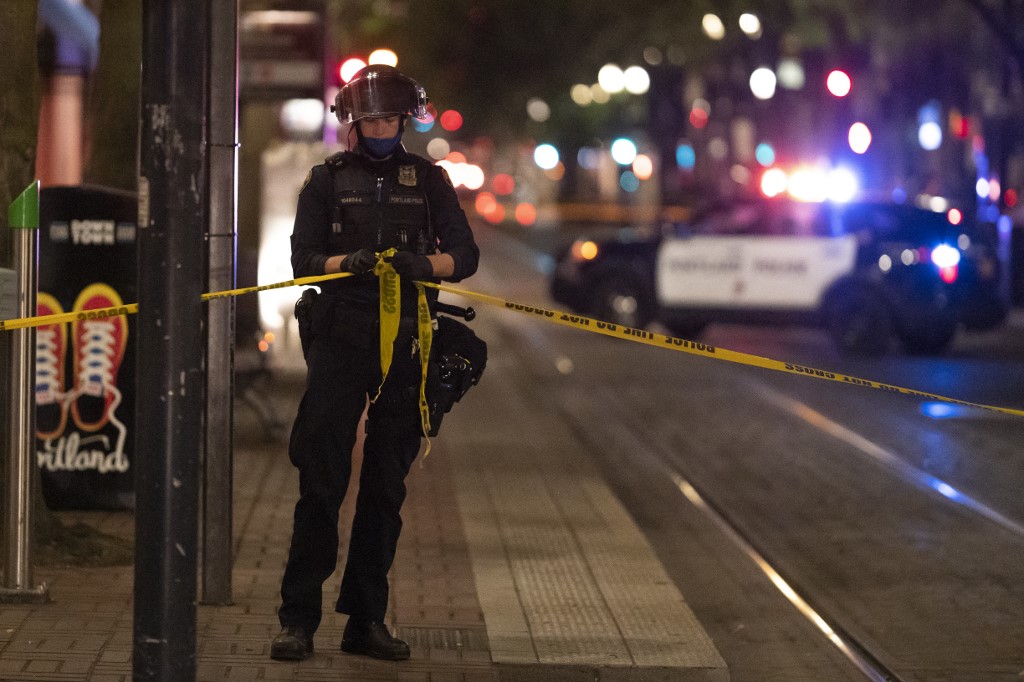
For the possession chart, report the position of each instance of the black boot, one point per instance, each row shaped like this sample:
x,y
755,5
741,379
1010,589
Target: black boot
x,y
371,638
293,644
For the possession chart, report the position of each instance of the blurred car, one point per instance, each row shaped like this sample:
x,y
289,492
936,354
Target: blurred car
x,y
870,273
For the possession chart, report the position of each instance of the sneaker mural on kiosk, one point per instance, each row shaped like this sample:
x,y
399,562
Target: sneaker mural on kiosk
x,y
99,347
51,356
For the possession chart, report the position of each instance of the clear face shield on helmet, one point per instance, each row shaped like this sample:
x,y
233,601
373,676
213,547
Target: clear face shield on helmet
x,y
379,90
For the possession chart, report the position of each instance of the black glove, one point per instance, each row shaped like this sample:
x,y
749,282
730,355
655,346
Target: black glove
x,y
410,265
359,261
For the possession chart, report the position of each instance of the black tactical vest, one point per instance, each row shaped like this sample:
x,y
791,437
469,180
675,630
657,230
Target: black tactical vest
x,y
380,212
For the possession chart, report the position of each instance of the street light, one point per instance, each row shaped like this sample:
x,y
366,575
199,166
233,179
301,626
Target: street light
x,y
790,73
762,83
859,138
713,26
839,83
751,25
349,67
538,110
611,78
383,56
623,151
581,94
636,80
545,156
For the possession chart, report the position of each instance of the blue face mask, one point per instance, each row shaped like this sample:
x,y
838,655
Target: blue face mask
x,y
380,147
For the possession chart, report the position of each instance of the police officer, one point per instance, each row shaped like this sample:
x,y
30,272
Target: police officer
x,y
353,207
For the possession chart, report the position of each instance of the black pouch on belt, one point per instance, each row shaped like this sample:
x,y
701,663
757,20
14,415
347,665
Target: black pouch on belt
x,y
304,315
457,360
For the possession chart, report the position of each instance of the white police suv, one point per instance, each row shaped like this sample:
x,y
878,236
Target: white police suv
x,y
871,273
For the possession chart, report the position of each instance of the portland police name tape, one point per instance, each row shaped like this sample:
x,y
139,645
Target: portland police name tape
x,y
557,317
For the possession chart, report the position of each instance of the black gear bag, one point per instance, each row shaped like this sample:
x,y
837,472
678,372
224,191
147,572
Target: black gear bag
x,y
457,360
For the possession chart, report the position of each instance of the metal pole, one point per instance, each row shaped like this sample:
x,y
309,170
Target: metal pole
x,y
169,377
21,418
219,442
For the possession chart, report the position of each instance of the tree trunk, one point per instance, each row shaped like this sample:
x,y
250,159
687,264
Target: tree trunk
x,y
19,107
112,120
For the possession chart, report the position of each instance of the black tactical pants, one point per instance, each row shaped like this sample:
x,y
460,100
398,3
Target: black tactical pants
x,y
343,370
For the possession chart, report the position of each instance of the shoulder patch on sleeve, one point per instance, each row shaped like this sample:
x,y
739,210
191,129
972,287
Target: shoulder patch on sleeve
x,y
447,178
309,176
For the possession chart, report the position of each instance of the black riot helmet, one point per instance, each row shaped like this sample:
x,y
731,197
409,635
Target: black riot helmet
x,y
380,90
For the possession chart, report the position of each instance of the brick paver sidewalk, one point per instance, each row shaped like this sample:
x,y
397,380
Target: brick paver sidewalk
x,y
85,632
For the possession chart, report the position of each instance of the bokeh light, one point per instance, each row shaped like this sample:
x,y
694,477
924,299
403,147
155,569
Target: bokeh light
x,y
485,203
623,151
994,188
526,214
557,173
538,110
588,157
451,120
713,26
463,174
383,56
686,156
838,83
581,94
653,56
790,73
611,78
545,156
842,185
349,67
762,83
472,176
740,174
718,148
584,250
629,181
981,188
750,24
302,116
637,80
643,166
438,148
765,154
774,182
808,184
859,137
495,216
929,135
504,183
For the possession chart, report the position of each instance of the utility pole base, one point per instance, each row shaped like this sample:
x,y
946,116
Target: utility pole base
x,y
37,595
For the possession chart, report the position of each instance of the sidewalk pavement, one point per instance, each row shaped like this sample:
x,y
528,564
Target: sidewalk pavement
x,y
513,565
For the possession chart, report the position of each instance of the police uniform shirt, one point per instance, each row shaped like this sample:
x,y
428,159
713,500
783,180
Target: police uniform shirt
x,y
311,236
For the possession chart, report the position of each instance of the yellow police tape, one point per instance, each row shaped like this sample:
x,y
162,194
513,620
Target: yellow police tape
x,y
133,308
557,317
702,349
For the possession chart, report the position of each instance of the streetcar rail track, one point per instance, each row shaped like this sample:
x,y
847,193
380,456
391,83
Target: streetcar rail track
x,y
849,645
888,459
857,653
